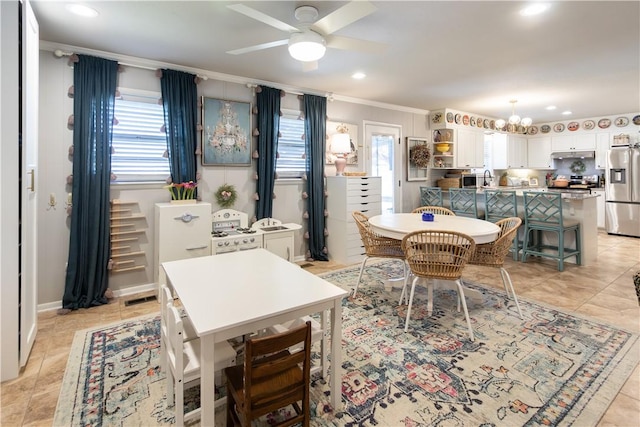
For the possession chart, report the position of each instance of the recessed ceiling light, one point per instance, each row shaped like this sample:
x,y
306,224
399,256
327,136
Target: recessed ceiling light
x,y
551,107
534,9
82,10
358,76
566,113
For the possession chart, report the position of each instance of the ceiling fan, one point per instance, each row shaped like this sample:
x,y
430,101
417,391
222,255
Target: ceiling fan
x,y
308,41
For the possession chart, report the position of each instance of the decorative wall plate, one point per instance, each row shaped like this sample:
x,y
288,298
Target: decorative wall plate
x,y
492,124
636,120
545,128
436,118
532,130
465,120
573,126
458,118
604,123
449,117
558,127
472,121
621,122
588,124
487,125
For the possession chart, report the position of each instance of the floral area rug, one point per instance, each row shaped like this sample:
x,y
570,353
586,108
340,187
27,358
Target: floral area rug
x,y
550,368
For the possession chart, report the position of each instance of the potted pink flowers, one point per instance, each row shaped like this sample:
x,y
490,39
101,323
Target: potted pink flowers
x,y
183,192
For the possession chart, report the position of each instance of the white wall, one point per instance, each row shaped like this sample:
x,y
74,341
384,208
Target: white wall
x,y
55,139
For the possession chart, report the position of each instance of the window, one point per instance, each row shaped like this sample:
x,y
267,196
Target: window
x,y
291,163
138,143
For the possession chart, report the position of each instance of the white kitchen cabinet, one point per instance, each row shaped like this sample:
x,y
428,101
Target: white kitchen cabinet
x,y
600,206
509,151
469,149
539,153
181,232
280,243
579,142
344,196
602,146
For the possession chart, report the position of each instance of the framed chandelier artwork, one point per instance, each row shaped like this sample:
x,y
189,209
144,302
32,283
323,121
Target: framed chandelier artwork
x,y
226,132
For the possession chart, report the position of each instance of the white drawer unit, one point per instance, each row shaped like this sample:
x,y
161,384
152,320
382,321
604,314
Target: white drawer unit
x,y
181,231
347,194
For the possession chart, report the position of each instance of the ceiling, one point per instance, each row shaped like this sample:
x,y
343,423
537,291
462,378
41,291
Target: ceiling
x,y
470,56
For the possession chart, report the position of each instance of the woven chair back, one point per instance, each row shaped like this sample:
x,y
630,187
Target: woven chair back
x,y
493,254
437,254
437,210
376,245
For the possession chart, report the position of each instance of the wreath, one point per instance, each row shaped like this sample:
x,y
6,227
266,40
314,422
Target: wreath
x,y
578,167
226,195
420,155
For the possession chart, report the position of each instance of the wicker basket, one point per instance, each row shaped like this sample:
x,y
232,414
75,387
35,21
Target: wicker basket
x,y
446,183
354,173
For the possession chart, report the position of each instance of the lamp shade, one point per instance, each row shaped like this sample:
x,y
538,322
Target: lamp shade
x,y
340,143
308,46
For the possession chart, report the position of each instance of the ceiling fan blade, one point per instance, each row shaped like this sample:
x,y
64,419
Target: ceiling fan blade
x,y
258,47
309,66
344,16
262,17
347,43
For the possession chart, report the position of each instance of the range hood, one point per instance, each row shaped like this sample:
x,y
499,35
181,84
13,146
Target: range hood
x,y
573,155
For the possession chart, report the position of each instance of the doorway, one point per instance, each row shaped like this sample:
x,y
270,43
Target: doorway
x,y
384,159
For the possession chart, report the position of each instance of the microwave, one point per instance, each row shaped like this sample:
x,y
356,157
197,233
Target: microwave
x,y
469,180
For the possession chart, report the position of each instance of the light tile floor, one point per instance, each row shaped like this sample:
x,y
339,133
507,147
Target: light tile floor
x,y
603,290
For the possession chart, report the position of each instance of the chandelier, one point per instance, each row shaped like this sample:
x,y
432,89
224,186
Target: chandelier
x,y
514,120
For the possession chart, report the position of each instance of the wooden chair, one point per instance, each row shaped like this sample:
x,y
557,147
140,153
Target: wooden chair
x,y
438,255
543,213
430,196
376,246
463,202
272,377
438,210
493,254
183,363
500,204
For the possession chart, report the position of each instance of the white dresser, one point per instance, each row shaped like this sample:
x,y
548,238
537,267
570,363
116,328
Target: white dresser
x,y
344,196
181,231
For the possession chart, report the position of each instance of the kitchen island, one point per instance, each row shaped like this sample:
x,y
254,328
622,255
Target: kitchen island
x,y
581,206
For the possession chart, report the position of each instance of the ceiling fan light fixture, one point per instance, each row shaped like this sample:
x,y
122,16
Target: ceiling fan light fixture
x,y
307,46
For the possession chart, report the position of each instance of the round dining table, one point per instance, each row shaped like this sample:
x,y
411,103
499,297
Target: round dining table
x,y
398,225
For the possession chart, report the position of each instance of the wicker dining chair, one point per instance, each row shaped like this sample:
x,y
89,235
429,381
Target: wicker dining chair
x,y
437,210
441,255
376,246
493,254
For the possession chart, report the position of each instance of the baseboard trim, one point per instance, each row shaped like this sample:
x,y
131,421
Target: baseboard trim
x,y
117,293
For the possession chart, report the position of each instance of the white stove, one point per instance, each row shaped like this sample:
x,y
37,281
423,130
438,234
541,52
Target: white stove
x,y
230,232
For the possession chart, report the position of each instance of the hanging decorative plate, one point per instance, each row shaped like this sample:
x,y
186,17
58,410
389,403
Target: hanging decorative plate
x,y
532,130
465,120
573,126
636,120
472,121
458,118
588,124
437,118
558,127
487,125
479,122
621,122
492,124
604,123
449,117
545,128
520,129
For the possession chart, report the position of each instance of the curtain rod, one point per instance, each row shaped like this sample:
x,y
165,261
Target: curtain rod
x,y
59,53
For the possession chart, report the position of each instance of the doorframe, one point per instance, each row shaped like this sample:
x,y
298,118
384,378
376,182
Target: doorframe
x,y
397,158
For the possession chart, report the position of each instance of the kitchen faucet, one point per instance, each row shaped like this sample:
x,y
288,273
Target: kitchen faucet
x,y
486,183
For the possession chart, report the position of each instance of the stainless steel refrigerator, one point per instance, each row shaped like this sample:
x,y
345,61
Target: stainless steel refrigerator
x,y
622,191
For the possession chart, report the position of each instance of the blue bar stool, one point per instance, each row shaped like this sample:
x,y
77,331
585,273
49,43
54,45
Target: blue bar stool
x,y
463,202
543,212
430,196
501,204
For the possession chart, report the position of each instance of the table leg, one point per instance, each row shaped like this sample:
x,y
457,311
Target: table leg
x,y
323,344
207,380
336,355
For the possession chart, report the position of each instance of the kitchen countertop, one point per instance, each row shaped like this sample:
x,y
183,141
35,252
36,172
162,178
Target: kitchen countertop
x,y
576,195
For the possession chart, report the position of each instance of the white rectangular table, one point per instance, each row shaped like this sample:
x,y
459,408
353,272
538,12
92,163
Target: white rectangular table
x,y
237,293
